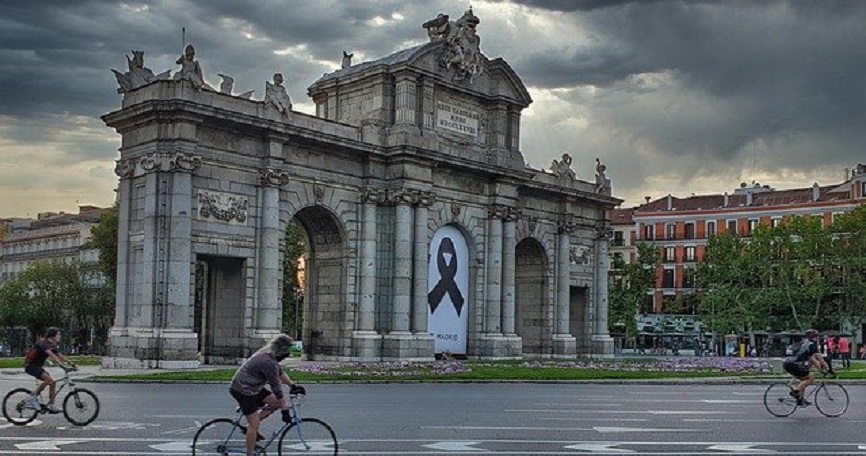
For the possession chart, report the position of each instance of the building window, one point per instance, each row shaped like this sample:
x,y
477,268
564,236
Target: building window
x,y
732,227
669,254
670,231
775,222
819,217
753,223
649,232
618,240
690,253
836,216
690,230
863,190
668,278
689,278
617,257
711,228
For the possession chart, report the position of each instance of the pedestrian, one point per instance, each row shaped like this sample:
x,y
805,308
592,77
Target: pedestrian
x,y
832,347
843,345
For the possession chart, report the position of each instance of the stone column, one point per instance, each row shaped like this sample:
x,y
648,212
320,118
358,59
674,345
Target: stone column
x,y
509,244
367,302
492,324
268,317
420,266
564,343
125,169
398,343
402,267
425,344
366,343
513,343
602,343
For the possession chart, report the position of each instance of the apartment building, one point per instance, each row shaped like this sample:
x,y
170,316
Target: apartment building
x,y
680,227
624,242
50,237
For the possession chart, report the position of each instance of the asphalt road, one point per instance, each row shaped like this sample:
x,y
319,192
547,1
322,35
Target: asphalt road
x,y
451,419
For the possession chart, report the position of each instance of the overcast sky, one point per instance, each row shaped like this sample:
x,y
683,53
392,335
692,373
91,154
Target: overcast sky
x,y
674,96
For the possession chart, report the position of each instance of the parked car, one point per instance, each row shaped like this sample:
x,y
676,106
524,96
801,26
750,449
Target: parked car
x,y
4,351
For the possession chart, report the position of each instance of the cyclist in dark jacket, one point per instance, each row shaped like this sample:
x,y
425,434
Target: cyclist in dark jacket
x,y
805,355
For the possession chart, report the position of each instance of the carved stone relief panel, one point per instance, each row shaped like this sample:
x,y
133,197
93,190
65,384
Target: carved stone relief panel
x,y
222,207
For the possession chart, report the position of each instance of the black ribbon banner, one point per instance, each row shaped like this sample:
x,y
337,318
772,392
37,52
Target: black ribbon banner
x,y
446,282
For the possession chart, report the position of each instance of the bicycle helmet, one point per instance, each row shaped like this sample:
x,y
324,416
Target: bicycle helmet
x,y
810,333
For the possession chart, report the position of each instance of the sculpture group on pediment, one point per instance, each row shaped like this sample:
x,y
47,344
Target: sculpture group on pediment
x,y
138,74
462,45
276,96
562,168
190,69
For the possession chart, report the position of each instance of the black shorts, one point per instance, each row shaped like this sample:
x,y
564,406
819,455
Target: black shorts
x,y
250,404
798,370
34,370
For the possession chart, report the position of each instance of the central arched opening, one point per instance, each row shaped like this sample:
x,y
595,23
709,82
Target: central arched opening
x,y
315,311
531,290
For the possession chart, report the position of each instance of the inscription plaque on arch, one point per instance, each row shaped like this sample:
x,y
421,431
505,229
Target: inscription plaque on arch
x,y
457,119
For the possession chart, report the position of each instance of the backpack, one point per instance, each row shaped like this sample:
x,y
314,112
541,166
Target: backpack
x,y
30,355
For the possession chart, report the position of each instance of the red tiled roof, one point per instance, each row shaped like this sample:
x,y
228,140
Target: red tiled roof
x,y
622,216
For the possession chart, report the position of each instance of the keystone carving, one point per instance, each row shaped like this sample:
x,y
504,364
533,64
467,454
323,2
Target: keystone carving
x,y
274,177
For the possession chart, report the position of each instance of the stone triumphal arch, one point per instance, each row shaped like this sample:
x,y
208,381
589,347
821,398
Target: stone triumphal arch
x,y
427,232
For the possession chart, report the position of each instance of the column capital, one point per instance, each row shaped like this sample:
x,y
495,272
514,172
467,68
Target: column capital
x,y
513,214
603,230
176,161
125,168
271,177
372,195
567,225
409,196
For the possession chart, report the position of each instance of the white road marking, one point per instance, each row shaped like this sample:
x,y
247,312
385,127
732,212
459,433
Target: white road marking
x,y
36,422
456,446
605,429
599,448
46,445
739,448
173,447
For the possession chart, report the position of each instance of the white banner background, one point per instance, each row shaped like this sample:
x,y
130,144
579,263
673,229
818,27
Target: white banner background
x,y
447,327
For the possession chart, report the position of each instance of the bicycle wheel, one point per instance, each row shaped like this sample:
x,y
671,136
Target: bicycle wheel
x,y
831,399
81,407
219,437
15,407
310,436
779,401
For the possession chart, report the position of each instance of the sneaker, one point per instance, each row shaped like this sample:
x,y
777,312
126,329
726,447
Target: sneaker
x,y
803,403
32,402
794,393
52,409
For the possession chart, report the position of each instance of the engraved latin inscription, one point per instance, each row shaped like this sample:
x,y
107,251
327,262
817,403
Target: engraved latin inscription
x,y
454,118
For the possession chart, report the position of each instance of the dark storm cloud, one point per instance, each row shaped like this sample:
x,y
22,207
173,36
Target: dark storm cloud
x,y
774,71
575,5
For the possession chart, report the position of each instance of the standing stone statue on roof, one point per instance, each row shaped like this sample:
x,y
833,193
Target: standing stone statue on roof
x,y
190,69
602,183
347,60
138,75
276,96
462,45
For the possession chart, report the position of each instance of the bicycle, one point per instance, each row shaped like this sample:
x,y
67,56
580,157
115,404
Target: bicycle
x,y
80,406
224,436
830,398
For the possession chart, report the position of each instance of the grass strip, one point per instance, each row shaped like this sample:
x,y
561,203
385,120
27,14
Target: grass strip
x,y
11,363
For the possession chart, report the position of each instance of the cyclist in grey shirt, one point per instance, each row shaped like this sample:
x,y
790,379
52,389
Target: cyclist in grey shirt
x,y
248,385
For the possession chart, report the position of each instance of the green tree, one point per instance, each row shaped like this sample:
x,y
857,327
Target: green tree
x,y
628,285
849,233
103,238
